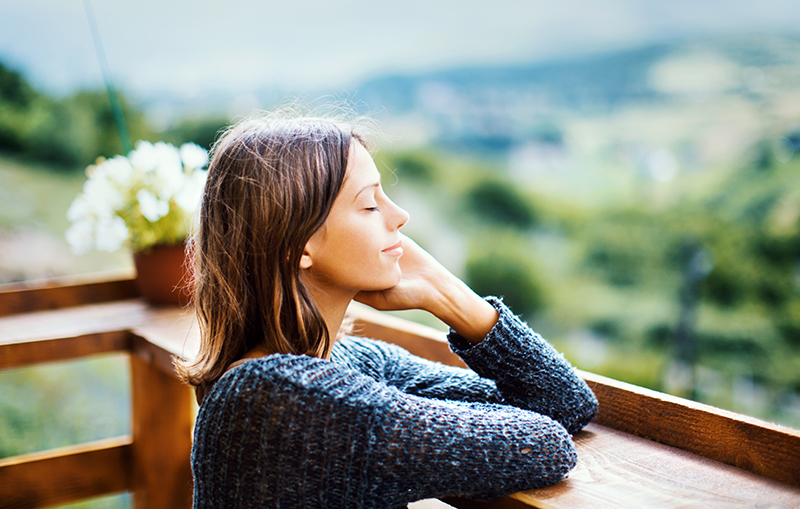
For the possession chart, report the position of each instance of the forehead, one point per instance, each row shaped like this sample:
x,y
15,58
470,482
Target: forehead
x,y
361,169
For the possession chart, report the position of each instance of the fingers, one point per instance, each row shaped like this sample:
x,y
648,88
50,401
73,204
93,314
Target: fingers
x,y
372,299
420,286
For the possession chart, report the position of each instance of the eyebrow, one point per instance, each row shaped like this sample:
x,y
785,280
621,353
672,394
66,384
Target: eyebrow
x,y
368,186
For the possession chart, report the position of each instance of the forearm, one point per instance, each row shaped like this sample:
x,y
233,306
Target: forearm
x,y
463,310
528,371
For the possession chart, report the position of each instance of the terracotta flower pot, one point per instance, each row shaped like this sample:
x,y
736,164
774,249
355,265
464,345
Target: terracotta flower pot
x,y
162,275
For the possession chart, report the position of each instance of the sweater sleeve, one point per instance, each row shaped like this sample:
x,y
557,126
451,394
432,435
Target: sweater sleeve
x,y
513,365
395,366
296,431
528,371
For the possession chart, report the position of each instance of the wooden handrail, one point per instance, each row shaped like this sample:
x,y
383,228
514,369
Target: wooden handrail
x,y
72,473
153,463
19,355
710,455
39,295
629,418
748,443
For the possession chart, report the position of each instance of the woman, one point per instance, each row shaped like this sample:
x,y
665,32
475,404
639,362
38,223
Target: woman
x,y
294,225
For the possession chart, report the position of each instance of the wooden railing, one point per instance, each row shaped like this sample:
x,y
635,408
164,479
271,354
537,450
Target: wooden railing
x,y
645,449
153,462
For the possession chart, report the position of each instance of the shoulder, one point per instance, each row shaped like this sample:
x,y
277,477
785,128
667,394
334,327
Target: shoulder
x,y
351,350
372,357
259,381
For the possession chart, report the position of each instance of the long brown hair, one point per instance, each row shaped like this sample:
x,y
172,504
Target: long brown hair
x,y
272,181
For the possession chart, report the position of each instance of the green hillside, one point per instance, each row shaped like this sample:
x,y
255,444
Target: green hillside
x,y
640,209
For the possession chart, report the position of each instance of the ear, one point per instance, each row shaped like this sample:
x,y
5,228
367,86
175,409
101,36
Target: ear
x,y
305,259
310,247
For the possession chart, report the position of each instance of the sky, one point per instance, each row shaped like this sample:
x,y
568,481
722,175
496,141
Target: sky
x,y
191,47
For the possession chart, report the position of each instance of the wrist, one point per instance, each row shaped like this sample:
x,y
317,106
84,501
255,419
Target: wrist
x,y
464,311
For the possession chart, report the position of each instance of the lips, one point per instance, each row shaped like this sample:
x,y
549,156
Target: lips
x,y
395,250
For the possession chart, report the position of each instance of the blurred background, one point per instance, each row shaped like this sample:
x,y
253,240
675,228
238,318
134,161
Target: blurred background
x,y
625,173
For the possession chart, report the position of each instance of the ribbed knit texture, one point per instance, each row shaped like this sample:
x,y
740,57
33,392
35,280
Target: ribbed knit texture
x,y
375,427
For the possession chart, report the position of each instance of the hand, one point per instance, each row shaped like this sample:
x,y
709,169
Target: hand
x,y
419,285
426,284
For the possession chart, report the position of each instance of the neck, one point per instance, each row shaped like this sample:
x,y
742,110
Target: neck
x,y
332,306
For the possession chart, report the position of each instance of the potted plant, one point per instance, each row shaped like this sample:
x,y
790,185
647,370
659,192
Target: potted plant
x,y
144,201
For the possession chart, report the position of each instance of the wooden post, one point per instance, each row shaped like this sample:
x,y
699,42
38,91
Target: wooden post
x,y
162,422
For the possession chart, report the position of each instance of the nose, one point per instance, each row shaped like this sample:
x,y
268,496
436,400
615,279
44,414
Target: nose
x,y
398,217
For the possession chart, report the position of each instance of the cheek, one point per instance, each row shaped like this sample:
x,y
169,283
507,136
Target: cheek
x,y
353,254
360,237
364,259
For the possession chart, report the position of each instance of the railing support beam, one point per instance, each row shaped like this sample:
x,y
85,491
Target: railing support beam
x,y
162,477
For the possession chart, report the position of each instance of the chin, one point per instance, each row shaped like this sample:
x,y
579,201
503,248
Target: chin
x,y
398,275
390,281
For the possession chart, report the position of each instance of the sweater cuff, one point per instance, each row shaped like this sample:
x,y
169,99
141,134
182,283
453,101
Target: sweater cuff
x,y
460,345
511,347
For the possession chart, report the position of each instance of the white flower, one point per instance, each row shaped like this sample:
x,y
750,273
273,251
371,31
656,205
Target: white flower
x,y
152,208
119,171
168,170
188,198
143,157
102,197
79,235
123,196
111,234
79,209
193,156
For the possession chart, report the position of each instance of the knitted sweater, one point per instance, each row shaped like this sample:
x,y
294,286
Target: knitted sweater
x,y
377,427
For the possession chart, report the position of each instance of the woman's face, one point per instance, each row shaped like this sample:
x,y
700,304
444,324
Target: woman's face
x,y
358,247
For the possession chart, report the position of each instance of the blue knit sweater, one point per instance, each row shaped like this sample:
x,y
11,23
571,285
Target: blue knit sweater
x,y
377,427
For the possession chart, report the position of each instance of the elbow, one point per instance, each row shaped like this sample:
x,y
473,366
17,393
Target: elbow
x,y
559,458
586,412
582,411
591,408
579,414
567,455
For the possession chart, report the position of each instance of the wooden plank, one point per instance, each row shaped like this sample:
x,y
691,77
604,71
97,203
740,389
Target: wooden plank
x,y
39,295
173,329
152,355
65,475
77,321
17,355
618,470
767,449
162,431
